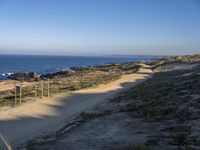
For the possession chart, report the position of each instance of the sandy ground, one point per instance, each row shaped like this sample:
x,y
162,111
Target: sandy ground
x,y
10,84
46,116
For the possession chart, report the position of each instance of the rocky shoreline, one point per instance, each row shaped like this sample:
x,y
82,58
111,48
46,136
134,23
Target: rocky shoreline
x,y
63,81
33,76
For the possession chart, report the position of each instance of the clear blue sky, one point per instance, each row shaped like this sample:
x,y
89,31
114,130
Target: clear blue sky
x,y
100,27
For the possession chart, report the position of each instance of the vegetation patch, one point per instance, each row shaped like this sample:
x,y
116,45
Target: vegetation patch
x,y
70,80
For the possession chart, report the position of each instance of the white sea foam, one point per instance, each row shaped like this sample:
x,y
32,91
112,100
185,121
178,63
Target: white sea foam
x,y
7,74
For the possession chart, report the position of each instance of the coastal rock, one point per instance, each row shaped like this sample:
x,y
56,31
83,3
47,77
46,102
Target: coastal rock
x,y
58,74
29,76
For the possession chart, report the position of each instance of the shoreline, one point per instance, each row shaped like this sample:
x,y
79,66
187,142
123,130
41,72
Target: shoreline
x,y
63,81
6,75
68,64
43,75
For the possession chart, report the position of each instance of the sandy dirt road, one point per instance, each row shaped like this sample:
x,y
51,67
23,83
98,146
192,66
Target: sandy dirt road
x,y
41,117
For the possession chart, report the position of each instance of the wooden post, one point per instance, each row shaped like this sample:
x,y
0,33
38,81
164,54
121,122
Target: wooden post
x,y
15,96
20,95
81,81
42,89
35,91
48,87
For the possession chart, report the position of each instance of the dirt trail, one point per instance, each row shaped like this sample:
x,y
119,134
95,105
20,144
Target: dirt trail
x,y
34,119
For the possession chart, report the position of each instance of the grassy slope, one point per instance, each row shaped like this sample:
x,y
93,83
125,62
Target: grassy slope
x,y
169,96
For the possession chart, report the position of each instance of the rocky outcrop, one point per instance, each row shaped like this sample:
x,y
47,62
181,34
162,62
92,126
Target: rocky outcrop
x,y
58,74
29,76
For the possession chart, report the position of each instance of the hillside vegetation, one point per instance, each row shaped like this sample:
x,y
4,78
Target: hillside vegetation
x,y
65,81
171,100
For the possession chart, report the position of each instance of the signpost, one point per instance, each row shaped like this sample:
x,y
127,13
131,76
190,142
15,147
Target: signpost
x,y
18,89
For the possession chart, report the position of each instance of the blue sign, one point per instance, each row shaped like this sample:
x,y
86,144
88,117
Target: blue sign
x,y
18,88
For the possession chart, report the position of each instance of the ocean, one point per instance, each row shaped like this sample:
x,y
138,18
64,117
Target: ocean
x,y
47,64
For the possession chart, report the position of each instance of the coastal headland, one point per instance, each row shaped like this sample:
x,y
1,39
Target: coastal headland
x,y
151,106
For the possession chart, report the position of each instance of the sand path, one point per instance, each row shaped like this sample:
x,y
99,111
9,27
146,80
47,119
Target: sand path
x,y
45,116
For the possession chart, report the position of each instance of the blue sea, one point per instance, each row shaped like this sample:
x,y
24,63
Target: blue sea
x,y
48,64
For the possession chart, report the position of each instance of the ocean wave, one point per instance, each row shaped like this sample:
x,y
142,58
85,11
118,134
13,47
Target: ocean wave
x,y
7,74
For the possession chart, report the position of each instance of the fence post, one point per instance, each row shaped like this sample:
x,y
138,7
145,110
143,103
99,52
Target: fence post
x,y
35,91
48,87
15,96
20,94
42,88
